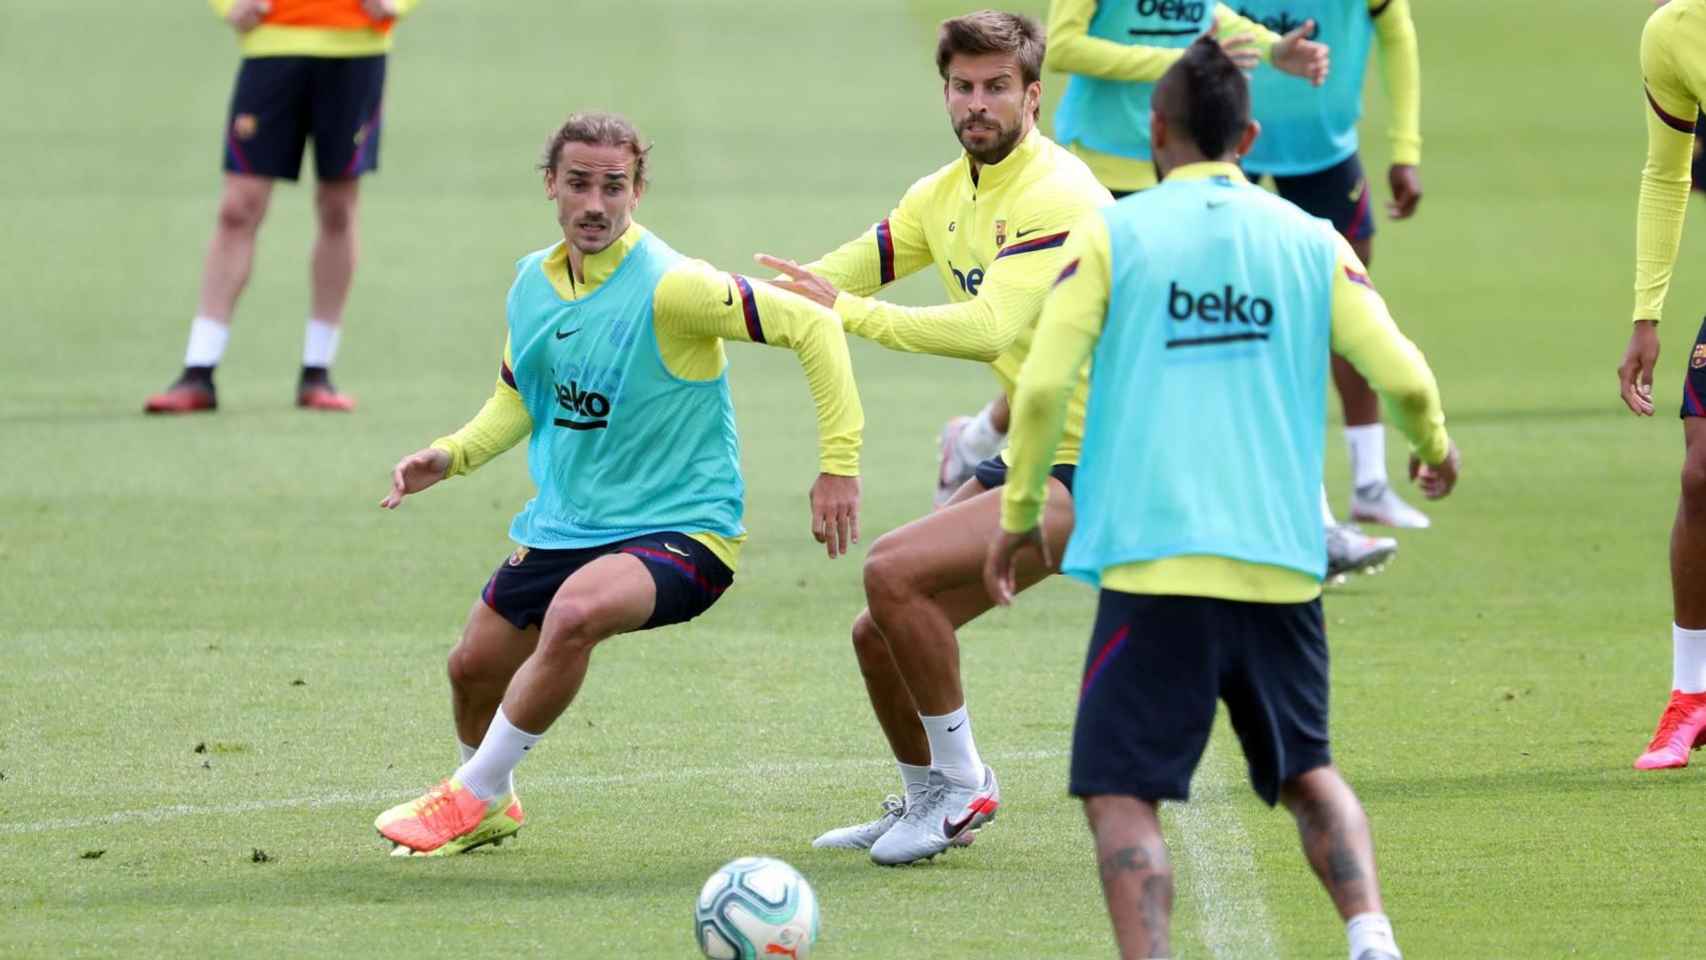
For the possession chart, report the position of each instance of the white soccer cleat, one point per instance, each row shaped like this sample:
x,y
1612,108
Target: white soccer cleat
x,y
1349,550
954,469
946,814
860,836
1379,503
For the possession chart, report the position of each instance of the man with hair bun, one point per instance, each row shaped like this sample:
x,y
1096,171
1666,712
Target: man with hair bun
x,y
613,371
1208,307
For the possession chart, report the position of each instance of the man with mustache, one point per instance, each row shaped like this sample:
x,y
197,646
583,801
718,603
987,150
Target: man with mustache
x,y
614,372
993,223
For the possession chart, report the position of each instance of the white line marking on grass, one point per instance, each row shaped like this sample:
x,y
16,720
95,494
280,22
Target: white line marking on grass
x,y
1223,880
348,798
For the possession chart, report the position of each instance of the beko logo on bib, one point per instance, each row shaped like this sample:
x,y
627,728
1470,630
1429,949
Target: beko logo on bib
x,y
1226,305
1182,10
582,403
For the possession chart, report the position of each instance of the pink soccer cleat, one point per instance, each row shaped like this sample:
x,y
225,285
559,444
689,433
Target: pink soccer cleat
x,y
1682,728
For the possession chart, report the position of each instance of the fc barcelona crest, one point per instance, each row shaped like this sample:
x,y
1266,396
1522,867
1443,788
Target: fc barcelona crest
x,y
1001,233
1699,361
516,558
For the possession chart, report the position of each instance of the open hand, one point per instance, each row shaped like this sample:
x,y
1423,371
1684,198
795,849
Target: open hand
x,y
1241,49
415,473
835,512
800,280
1300,56
380,9
1000,564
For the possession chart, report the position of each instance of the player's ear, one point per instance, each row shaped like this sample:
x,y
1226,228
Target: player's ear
x,y
1157,131
1251,132
1034,96
550,185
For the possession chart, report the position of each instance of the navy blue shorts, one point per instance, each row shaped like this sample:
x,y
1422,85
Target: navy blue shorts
x,y
279,102
1694,382
689,578
1338,193
1158,665
992,473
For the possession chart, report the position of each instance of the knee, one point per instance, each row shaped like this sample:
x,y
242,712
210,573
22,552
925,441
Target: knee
x,y
570,629
1694,481
886,579
468,672
241,212
337,213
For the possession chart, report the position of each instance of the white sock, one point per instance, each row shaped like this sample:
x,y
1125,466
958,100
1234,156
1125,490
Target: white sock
x,y
320,343
1367,445
468,754
1327,510
1371,931
952,749
1688,659
980,440
207,342
486,774
914,778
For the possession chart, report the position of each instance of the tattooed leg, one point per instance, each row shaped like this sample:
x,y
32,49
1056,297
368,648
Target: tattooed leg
x,y
1137,877
1336,839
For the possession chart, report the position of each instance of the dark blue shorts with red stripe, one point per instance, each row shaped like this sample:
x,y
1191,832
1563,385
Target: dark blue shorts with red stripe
x,y
1338,193
279,103
1694,383
688,576
1157,667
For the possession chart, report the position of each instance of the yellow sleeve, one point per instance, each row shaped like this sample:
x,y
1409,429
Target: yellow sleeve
x,y
404,6
1365,334
1071,49
1008,297
1671,111
1230,23
1400,61
502,423
696,307
1066,336
892,248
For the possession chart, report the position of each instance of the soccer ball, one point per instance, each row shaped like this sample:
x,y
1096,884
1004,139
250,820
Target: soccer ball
x,y
756,908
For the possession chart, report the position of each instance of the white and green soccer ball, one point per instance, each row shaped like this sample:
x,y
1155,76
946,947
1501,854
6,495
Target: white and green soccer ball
x,y
756,908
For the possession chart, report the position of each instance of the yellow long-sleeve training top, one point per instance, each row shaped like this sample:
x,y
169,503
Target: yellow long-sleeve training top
x,y
317,28
1363,332
1673,66
997,239
693,314
1072,50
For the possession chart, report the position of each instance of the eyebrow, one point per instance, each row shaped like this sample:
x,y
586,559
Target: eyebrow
x,y
615,176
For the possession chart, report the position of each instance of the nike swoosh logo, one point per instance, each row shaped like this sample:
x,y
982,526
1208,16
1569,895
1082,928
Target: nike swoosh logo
x,y
956,726
1212,204
1021,234
729,301
672,548
952,828
564,336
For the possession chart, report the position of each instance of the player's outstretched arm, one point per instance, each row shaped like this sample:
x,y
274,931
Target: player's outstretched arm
x,y
893,247
503,422
1365,334
1066,336
1400,61
696,306
1071,49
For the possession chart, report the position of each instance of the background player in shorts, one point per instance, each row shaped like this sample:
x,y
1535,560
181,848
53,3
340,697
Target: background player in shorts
x,y
1675,79
1309,147
312,70
614,371
1197,303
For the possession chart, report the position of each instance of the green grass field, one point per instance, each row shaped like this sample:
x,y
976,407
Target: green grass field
x,y
212,642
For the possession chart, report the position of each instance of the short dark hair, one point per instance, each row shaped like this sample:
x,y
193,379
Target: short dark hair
x,y
1206,97
992,31
600,130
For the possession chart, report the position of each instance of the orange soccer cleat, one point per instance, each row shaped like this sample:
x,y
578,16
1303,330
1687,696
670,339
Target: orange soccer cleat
x,y
449,819
185,396
323,396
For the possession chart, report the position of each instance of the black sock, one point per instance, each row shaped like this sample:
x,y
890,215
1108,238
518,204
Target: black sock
x,y
197,376
316,377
